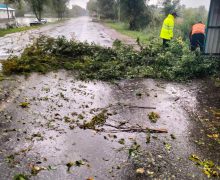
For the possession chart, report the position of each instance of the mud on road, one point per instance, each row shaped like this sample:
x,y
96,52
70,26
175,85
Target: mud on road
x,y
42,137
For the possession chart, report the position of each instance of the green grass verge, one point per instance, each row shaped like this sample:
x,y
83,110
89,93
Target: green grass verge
x,y
144,35
4,32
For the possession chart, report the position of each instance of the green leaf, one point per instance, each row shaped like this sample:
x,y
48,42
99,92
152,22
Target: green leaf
x,y
20,177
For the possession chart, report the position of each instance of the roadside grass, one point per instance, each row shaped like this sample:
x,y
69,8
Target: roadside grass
x,y
4,32
144,35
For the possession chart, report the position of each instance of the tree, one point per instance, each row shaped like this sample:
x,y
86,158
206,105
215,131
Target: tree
x,y
60,7
37,7
106,8
76,11
22,8
190,17
170,6
136,12
92,7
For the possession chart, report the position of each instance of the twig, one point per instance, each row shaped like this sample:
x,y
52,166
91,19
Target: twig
x,y
140,107
134,129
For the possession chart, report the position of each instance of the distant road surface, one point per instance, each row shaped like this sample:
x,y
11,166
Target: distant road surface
x,y
82,29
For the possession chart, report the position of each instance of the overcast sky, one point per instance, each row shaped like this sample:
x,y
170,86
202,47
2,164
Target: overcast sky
x,y
188,3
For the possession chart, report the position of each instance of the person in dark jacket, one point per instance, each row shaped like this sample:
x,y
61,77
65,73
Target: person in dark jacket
x,y
197,36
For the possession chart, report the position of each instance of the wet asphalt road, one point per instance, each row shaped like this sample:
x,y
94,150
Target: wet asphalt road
x,y
82,29
46,134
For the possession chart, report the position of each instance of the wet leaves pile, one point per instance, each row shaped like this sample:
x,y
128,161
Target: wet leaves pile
x,y
208,167
98,120
153,117
91,61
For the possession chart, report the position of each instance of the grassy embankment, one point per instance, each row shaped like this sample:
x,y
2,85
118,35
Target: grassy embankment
x,y
4,32
144,35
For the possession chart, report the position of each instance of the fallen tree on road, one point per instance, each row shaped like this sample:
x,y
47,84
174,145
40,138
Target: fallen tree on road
x,y
91,61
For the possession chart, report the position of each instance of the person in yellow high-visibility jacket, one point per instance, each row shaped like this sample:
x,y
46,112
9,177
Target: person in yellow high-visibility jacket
x,y
167,29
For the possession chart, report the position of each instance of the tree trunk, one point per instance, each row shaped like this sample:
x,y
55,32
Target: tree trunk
x,y
40,16
35,12
7,10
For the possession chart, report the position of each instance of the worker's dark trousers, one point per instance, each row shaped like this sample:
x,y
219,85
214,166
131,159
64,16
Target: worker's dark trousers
x,y
166,42
198,40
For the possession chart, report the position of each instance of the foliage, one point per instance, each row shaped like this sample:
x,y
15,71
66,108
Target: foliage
x,y
21,7
24,104
20,177
190,16
183,24
208,167
76,11
60,7
90,61
37,7
153,116
3,32
134,150
170,6
106,8
98,120
136,13
123,28
92,6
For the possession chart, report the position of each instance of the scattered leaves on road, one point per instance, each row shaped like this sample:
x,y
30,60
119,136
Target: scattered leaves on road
x,y
76,163
208,167
167,146
20,177
121,141
173,136
90,178
79,163
134,150
69,165
51,168
24,104
214,136
153,116
139,94
98,120
140,171
36,169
